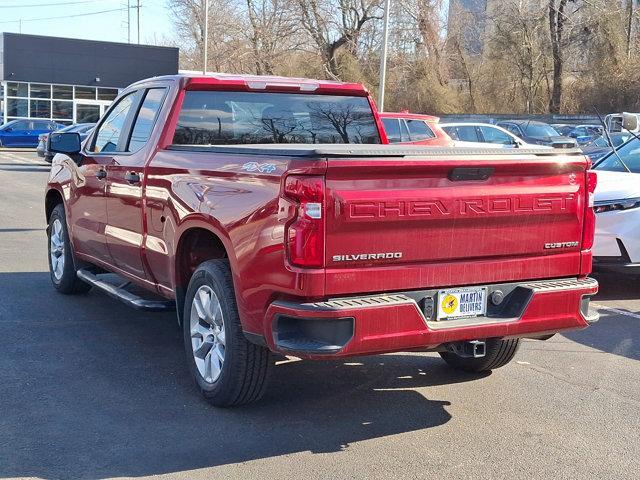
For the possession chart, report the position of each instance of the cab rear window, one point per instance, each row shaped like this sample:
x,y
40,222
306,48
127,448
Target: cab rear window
x,y
235,118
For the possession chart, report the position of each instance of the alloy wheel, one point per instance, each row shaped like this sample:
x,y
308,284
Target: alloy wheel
x,y
207,333
56,249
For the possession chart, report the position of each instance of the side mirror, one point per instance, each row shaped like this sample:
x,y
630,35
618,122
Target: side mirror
x,y
67,143
629,122
8,129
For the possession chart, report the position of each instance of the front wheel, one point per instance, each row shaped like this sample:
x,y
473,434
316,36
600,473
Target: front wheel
x,y
228,369
498,353
61,265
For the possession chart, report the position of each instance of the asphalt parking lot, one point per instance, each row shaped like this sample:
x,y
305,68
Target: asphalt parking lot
x,y
91,389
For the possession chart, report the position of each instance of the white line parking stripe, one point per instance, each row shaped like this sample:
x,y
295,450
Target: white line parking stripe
x,y
21,159
616,310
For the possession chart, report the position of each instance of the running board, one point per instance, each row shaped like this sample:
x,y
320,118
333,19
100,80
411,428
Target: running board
x,y
119,293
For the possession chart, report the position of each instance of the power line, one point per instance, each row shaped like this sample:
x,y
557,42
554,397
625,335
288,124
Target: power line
x,y
77,2
65,16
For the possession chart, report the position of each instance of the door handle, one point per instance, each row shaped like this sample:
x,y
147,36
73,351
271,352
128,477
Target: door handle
x,y
102,174
132,177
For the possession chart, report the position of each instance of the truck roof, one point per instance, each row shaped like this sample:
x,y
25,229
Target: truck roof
x,y
199,81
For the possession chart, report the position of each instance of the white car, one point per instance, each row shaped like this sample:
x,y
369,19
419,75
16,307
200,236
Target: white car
x,y
483,135
617,206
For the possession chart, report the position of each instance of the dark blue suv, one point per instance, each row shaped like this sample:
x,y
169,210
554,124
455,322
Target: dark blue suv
x,y
24,133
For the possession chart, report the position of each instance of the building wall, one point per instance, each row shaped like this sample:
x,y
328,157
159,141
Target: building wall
x,y
68,80
34,58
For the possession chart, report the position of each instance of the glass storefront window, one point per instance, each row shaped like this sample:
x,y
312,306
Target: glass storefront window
x,y
87,113
41,108
85,93
39,90
63,92
62,109
15,89
107,93
17,107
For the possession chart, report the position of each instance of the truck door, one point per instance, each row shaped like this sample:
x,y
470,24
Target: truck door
x,y
87,205
124,183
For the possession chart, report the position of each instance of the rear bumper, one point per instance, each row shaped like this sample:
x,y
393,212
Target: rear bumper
x,y
402,321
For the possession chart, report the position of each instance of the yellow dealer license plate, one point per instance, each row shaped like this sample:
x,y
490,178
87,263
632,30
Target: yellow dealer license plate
x,y
462,303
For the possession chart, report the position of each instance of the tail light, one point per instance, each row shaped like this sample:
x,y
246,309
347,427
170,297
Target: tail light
x,y
589,226
305,234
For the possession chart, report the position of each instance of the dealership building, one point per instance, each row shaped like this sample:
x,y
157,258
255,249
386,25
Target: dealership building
x,y
72,81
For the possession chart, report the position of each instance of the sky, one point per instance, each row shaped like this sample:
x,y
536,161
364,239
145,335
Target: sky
x,y
38,18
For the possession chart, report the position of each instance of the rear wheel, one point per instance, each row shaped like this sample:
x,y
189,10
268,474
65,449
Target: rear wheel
x,y
228,369
61,264
498,352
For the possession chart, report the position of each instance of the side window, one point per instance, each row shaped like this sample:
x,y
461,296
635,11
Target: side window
x,y
493,135
392,127
404,131
146,118
419,130
22,125
467,133
110,130
512,128
42,126
451,131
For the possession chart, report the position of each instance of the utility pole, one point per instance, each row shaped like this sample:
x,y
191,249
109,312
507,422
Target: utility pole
x,y
20,26
138,18
128,21
383,55
206,36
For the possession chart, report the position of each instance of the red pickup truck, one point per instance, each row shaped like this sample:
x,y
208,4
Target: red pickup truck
x,y
264,211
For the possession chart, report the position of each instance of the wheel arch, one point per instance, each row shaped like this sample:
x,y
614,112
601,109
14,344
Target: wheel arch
x,y
53,197
196,243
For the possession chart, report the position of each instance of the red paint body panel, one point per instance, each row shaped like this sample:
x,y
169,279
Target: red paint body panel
x,y
449,233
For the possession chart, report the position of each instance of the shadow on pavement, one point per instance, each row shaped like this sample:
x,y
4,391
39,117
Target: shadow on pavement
x,y
613,333
617,287
92,389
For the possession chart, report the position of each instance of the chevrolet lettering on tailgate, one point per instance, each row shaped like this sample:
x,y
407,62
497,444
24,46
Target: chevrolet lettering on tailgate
x,y
522,204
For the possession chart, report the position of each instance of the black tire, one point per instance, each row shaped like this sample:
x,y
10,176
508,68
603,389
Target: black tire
x,y
244,374
67,281
498,353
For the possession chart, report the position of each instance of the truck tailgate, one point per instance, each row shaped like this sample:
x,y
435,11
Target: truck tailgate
x,y
424,221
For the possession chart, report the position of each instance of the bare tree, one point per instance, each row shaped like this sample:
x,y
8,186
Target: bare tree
x,y
557,22
273,32
332,24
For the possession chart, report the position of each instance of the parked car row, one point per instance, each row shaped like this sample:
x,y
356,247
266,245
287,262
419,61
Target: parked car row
x,y
411,128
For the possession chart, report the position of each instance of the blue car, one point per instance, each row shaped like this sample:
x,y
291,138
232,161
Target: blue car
x,y
24,133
